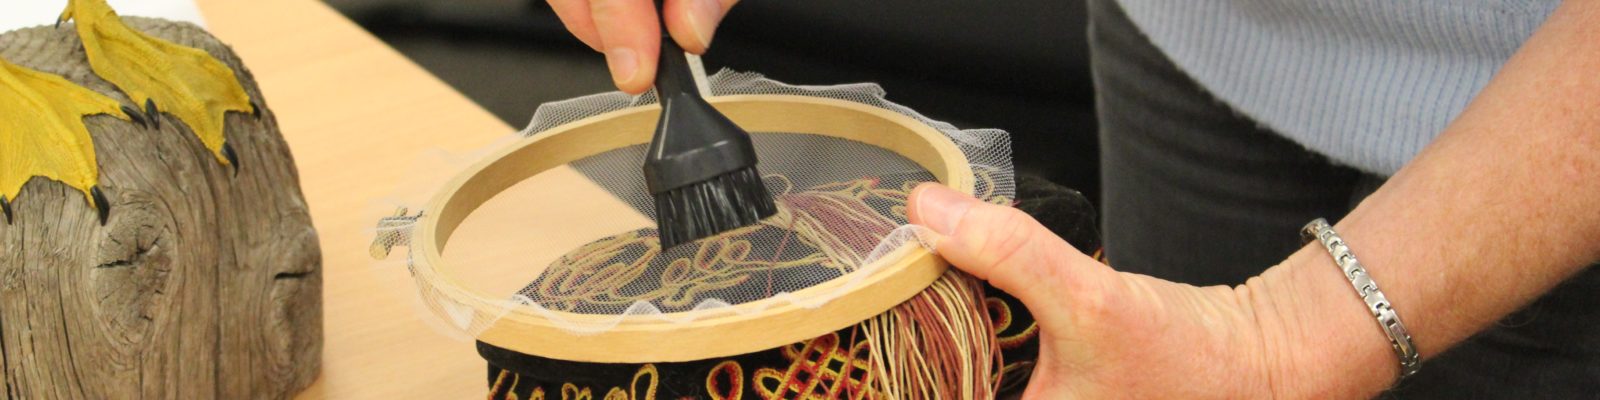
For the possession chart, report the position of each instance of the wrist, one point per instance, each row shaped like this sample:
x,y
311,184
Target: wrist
x,y
1318,339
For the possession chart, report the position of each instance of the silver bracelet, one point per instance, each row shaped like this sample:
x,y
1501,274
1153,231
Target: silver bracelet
x,y
1319,230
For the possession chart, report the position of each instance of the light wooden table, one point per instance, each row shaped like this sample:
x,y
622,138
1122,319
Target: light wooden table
x,y
357,114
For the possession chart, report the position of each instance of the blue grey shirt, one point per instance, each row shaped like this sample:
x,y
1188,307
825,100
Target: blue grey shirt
x,y
1365,82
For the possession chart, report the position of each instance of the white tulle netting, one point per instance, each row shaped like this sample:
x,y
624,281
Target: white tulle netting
x,y
586,256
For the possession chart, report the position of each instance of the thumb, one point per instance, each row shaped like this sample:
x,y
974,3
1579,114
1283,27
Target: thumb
x,y
1006,247
693,22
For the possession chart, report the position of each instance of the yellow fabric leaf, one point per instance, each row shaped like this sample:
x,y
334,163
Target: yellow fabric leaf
x,y
42,131
186,82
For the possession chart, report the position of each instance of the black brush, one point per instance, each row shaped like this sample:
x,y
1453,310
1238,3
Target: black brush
x,y
701,167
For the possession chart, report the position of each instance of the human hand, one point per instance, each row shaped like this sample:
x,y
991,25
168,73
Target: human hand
x,y
629,32
1103,333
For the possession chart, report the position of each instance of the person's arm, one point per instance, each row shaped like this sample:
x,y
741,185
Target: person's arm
x,y
1500,208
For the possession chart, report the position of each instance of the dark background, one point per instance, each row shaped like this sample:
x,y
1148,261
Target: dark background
x,y
1018,65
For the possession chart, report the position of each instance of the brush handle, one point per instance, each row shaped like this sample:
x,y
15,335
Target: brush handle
x,y
674,75
693,142
674,63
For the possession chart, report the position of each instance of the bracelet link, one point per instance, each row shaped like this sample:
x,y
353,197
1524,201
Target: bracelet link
x,y
1388,320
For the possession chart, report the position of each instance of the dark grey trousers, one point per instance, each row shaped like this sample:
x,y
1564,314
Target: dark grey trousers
x,y
1195,192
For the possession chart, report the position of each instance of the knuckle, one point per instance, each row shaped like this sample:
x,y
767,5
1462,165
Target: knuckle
x,y
1095,303
1003,230
998,234
1016,252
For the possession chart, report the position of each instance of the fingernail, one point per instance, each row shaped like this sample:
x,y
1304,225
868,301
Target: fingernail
x,y
940,208
703,17
624,64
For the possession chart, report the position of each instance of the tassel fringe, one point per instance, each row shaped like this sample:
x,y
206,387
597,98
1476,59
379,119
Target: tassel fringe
x,y
938,345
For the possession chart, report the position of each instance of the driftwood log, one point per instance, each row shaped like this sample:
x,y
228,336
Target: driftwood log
x,y
201,284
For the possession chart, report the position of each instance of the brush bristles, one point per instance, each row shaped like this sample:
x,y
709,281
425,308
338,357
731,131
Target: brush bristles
x,y
714,206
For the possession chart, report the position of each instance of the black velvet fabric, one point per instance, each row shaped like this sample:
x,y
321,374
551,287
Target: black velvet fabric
x,y
831,366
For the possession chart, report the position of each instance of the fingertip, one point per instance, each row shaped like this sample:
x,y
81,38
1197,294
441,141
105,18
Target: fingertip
x,y
630,71
631,36
939,207
691,46
693,23
913,212
633,88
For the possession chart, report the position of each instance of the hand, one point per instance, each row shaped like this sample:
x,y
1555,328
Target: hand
x,y
629,34
1103,334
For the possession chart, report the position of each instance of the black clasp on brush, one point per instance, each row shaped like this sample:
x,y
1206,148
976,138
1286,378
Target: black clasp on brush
x,y
700,167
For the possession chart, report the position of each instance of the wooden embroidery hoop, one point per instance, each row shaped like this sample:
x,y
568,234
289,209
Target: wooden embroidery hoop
x,y
716,332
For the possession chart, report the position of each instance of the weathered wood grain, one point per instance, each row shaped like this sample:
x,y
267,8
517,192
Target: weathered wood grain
x,y
202,284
